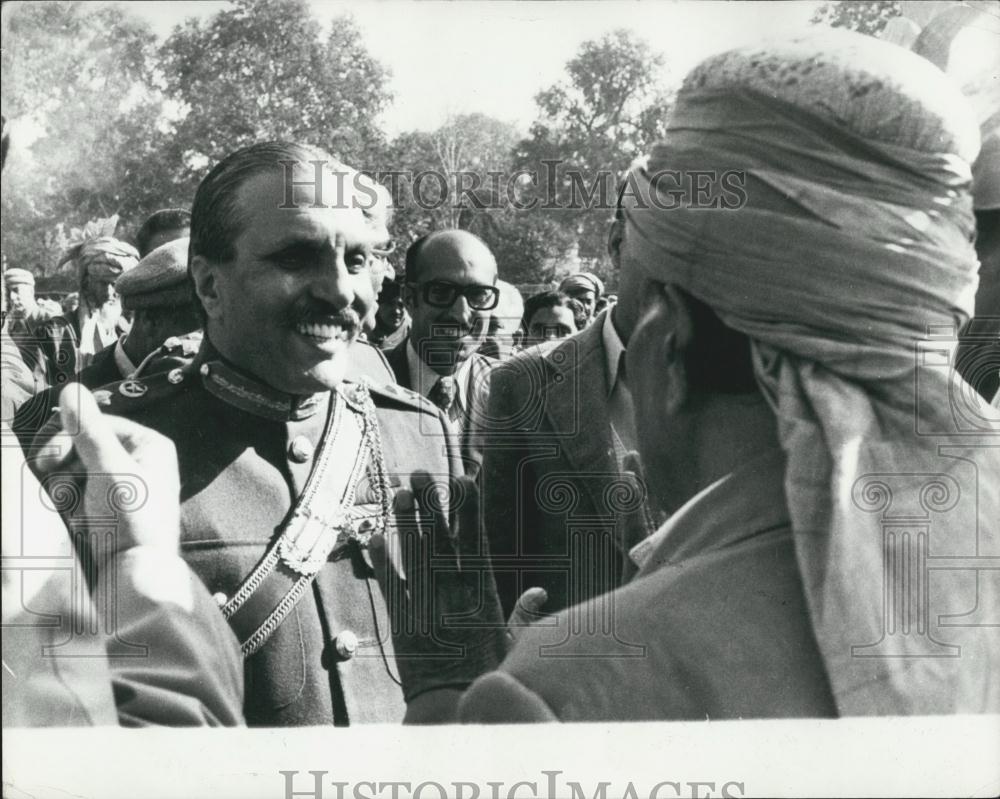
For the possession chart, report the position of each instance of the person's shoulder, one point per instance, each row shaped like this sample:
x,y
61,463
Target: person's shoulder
x,y
54,324
149,395
392,396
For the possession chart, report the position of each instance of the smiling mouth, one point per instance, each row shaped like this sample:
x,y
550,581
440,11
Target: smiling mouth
x,y
323,333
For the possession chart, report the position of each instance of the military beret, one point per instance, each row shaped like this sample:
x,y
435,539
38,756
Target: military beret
x,y
159,280
18,277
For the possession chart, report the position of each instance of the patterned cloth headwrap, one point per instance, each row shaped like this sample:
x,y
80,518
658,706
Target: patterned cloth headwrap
x,y
105,257
851,281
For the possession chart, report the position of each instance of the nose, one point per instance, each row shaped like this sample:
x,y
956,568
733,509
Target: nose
x,y
461,311
333,284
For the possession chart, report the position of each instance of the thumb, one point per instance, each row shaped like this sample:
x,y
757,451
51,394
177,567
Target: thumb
x,y
528,607
95,442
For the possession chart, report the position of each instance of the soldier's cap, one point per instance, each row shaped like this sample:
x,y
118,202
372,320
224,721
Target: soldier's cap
x,y
18,277
159,280
582,281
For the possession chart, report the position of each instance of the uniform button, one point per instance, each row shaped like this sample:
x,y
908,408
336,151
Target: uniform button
x,y
346,644
220,598
300,450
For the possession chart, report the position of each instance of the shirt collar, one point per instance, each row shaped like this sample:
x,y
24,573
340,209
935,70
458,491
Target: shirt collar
x,y
748,500
423,378
613,351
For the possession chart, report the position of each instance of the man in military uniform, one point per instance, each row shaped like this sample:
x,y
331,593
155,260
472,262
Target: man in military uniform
x,y
346,598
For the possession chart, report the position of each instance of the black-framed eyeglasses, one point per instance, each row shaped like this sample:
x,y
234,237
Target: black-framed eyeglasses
x,y
442,294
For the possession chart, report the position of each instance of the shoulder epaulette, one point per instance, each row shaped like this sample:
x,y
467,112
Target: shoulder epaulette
x,y
392,392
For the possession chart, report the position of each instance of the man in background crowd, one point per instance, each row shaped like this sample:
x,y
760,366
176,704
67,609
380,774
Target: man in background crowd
x,y
550,316
560,427
450,292
160,227
586,289
392,322
24,319
504,334
71,341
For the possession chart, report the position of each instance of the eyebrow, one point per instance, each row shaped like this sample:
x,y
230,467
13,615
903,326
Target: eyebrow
x,y
307,246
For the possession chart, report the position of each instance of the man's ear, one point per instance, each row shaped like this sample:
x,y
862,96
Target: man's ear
x,y
203,273
616,234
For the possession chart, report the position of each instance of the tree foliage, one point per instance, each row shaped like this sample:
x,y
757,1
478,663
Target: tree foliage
x,y
79,80
111,123
608,111
863,16
262,70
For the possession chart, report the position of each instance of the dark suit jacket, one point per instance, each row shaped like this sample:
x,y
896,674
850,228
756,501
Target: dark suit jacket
x,y
557,510
477,396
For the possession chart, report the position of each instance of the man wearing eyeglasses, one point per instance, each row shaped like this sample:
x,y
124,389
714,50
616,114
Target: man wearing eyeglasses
x,y
450,291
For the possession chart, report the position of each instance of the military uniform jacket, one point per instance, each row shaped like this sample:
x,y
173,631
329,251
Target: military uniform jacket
x,y
356,646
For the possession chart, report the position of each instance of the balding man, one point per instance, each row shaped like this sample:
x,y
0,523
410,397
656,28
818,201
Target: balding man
x,y
450,292
317,510
816,480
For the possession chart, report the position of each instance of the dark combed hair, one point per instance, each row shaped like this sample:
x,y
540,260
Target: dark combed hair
x,y
215,217
391,289
157,222
553,299
718,360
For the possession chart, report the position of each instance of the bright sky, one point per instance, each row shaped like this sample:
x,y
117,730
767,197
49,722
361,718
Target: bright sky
x,y
493,57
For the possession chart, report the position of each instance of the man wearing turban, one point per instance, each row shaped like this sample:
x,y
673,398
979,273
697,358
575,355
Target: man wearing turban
x,y
833,543
72,340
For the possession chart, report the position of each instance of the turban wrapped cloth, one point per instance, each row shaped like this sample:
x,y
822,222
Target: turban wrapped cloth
x,y
852,250
16,276
105,258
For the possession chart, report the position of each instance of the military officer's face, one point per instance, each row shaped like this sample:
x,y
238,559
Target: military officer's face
x,y
293,299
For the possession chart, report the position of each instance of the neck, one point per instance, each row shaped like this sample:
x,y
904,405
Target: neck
x,y
622,324
725,431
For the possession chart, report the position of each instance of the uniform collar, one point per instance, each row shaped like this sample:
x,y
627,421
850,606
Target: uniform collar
x,y
242,390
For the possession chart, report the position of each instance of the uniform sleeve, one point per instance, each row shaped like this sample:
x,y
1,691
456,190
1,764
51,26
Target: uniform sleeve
x,y
190,671
453,629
